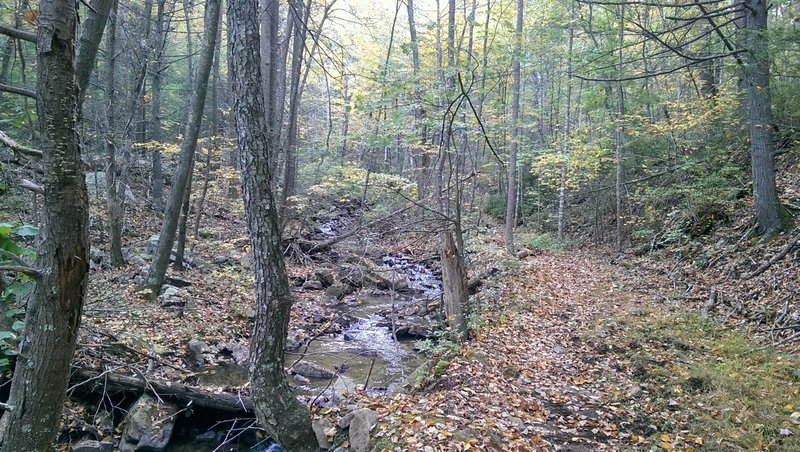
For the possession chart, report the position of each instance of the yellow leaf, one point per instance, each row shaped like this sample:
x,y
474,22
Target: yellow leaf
x,y
665,437
665,445
698,440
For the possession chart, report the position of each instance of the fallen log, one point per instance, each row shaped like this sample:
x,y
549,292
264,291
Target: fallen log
x,y
104,382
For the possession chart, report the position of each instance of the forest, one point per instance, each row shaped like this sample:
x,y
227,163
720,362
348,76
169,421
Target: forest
x,y
399,225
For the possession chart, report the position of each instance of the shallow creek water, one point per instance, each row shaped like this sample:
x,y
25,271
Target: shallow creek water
x,y
366,352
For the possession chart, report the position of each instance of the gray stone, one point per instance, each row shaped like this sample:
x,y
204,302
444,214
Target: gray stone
x,y
361,423
138,260
339,291
310,370
312,285
196,350
325,276
239,352
88,445
149,425
208,436
301,380
321,427
169,291
342,386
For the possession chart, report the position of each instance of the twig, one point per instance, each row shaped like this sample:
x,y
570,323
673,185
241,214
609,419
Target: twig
x,y
792,243
18,148
369,374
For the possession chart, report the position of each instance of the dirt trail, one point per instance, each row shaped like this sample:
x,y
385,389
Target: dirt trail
x,y
535,377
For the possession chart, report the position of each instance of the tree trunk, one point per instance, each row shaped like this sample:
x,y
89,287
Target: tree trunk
x,y
201,202
562,189
54,313
158,269
113,202
278,411
620,134
181,245
454,283
419,110
759,104
290,149
91,34
511,205
155,110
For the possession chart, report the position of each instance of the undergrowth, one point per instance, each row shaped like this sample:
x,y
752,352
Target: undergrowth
x,y
723,391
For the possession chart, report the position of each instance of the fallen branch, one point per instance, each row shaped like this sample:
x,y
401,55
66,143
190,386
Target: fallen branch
x,y
792,243
32,186
231,403
18,148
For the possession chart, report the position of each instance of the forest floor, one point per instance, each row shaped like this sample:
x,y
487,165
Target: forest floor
x,y
571,350
573,354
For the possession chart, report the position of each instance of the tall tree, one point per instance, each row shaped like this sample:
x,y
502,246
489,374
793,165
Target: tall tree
x,y
114,194
157,71
759,104
620,132
158,268
277,409
511,200
54,314
562,189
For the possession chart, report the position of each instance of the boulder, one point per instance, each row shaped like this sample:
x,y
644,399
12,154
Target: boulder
x,y
197,349
413,330
342,386
338,291
325,276
240,353
148,426
312,285
88,445
361,423
321,428
311,370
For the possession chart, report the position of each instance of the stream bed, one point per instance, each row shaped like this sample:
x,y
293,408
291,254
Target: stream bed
x,y
366,352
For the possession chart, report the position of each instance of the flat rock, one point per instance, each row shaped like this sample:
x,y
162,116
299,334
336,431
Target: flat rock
x,y
361,423
148,426
88,445
321,427
310,370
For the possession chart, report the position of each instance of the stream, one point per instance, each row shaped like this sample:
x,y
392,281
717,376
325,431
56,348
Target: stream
x,y
366,352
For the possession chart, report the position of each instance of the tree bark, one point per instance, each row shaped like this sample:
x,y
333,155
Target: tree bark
x,y
511,204
565,145
155,109
762,148
54,313
278,411
91,34
114,201
158,269
620,134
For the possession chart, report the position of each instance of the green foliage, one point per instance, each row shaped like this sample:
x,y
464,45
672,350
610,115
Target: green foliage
x,y
345,184
544,241
13,291
495,205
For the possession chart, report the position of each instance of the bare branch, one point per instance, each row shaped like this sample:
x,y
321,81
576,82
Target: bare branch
x,y
18,148
19,34
16,90
32,186
11,256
